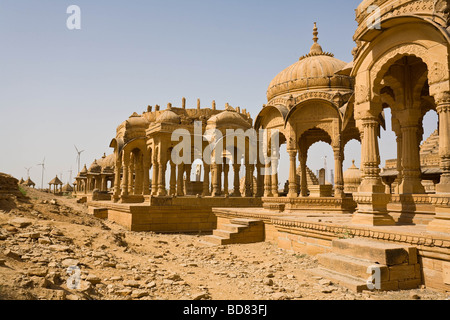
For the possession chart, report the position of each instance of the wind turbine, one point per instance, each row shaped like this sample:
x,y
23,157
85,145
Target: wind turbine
x,y
43,168
28,171
78,156
70,171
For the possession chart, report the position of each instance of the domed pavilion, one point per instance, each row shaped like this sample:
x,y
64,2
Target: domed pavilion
x,y
309,102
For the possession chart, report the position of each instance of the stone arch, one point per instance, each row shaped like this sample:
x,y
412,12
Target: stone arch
x,y
327,118
381,66
280,110
305,103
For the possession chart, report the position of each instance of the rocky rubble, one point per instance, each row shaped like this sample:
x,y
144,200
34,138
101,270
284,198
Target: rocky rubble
x,y
61,253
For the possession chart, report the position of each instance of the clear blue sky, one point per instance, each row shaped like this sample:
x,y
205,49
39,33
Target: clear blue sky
x,y
62,87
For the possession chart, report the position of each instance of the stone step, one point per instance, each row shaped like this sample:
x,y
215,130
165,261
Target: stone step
x,y
351,266
216,240
352,283
233,227
375,251
245,222
225,234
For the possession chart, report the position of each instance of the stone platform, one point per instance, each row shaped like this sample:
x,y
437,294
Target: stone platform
x,y
168,214
311,204
314,233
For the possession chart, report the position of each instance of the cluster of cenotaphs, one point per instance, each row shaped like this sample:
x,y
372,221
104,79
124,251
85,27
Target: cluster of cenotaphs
x,y
402,65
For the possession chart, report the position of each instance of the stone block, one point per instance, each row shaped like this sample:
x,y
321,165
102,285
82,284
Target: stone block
x,y
383,253
409,284
351,266
405,272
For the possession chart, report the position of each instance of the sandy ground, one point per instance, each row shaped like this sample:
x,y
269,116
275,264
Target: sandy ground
x,y
42,236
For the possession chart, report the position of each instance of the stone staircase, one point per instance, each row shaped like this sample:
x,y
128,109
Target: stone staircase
x,y
238,231
350,262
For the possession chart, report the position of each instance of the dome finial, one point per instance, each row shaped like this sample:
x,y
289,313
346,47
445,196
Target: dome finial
x,y
316,48
315,33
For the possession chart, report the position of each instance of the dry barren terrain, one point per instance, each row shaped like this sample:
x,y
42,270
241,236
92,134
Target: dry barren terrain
x,y
42,236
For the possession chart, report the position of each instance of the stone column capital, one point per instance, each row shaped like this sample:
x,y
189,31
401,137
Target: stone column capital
x,y
443,107
442,98
292,153
370,122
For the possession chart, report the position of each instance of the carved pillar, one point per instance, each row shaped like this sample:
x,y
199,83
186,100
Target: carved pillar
x,y
206,182
249,185
162,179
304,177
292,174
371,197
97,183
443,110
411,182
259,180
139,176
338,173
219,179
104,184
180,180
188,169
131,175
226,169
236,182
215,180
155,178
146,182
247,181
125,172
268,180
398,181
275,177
173,179
441,200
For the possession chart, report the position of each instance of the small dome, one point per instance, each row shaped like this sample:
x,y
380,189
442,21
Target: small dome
x,y
84,170
352,178
135,121
169,117
228,119
95,167
316,70
107,161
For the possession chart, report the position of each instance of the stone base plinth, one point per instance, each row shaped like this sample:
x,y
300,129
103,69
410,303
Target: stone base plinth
x,y
371,219
321,190
372,209
441,222
131,199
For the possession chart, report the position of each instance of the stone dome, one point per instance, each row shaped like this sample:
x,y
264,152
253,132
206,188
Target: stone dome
x,y
169,117
316,70
352,178
136,121
84,170
95,167
228,119
107,161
